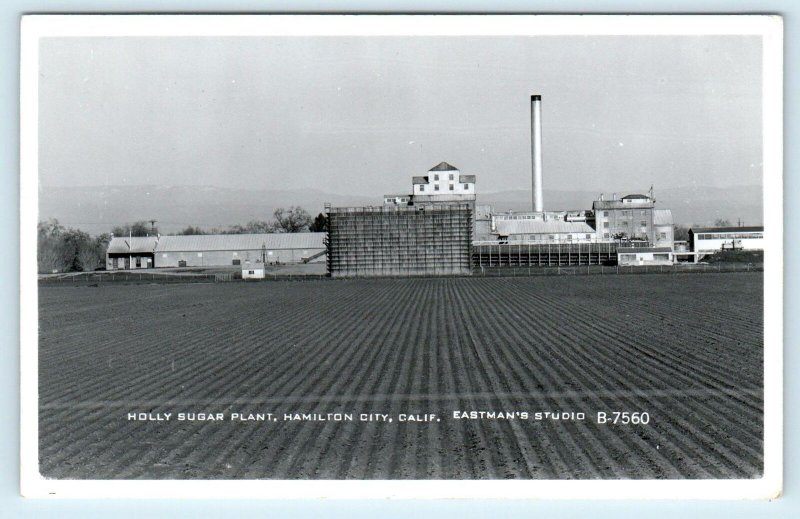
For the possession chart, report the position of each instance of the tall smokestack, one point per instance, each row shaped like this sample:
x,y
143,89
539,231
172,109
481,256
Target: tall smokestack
x,y
536,151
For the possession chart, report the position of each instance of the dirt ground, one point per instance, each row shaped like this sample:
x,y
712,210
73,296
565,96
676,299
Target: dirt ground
x,y
686,350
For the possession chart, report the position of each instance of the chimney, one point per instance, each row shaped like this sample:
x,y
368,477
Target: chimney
x,y
536,151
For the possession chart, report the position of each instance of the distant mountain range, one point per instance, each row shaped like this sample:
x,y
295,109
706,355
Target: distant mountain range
x,y
97,209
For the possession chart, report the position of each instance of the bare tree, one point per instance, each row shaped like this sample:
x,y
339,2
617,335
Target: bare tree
x,y
294,219
191,230
722,222
88,257
141,228
680,232
50,247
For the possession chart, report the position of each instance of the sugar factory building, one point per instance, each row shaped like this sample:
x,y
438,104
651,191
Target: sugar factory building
x,y
438,228
424,232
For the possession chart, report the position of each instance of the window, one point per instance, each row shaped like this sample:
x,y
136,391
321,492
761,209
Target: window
x,y
421,187
643,223
436,177
588,236
661,257
451,176
605,213
605,226
436,187
237,262
466,186
662,236
606,235
551,237
624,213
138,262
452,187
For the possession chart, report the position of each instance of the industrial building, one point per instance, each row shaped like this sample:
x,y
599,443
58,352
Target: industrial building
x,y
131,252
215,250
392,240
373,241
543,254
715,239
635,218
543,231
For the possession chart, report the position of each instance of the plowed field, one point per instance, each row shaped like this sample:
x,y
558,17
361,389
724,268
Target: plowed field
x,y
686,350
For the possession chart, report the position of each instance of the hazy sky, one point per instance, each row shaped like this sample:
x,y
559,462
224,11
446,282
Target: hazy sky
x,y
365,114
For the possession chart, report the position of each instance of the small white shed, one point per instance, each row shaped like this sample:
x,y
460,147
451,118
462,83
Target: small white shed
x,y
253,271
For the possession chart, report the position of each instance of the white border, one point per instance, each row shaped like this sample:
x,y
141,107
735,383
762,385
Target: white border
x,y
770,28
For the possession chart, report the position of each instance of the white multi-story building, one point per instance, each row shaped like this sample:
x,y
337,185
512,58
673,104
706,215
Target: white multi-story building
x,y
444,183
444,179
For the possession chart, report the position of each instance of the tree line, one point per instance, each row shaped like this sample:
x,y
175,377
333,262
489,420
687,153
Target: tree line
x,y
63,249
293,219
681,232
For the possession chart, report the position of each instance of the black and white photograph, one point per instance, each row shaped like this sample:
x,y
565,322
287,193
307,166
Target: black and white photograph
x,y
402,256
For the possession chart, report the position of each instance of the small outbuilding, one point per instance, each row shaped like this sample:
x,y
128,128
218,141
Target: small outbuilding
x,y
641,256
125,252
253,271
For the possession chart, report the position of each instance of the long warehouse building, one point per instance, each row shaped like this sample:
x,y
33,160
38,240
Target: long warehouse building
x,y
214,250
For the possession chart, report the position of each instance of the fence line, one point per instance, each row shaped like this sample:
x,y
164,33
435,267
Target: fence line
x,y
585,270
613,270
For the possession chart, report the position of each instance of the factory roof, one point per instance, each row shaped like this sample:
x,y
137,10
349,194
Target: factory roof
x,y
466,179
419,180
727,229
633,250
636,197
621,204
211,242
138,245
508,227
662,217
443,166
